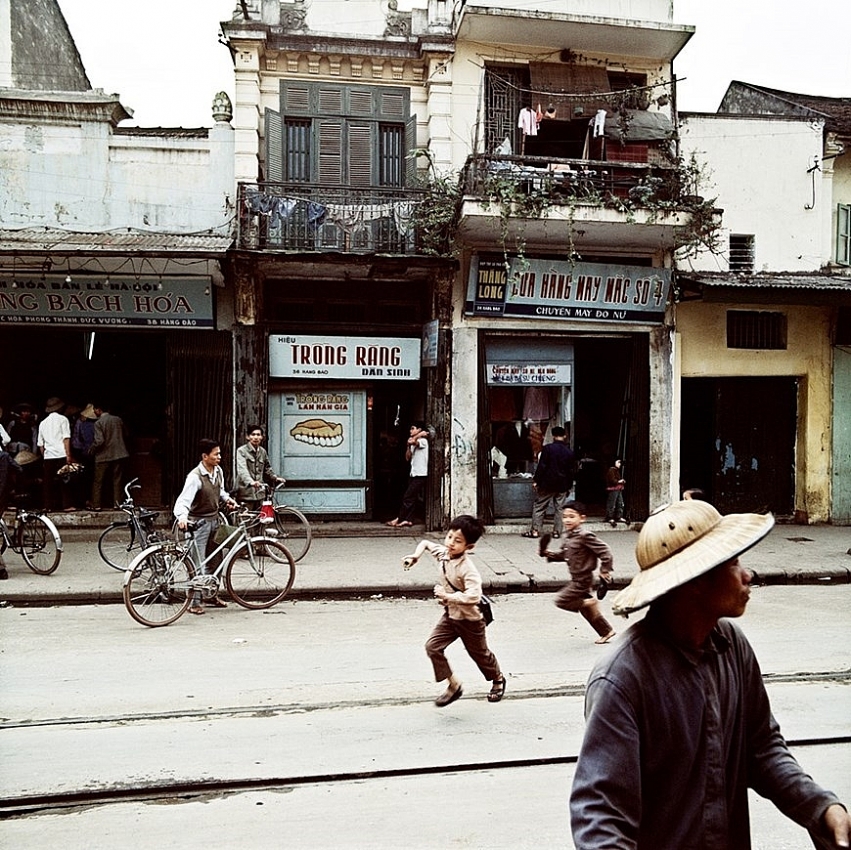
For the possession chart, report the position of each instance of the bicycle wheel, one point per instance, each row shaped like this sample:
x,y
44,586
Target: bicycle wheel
x,y
254,578
118,545
39,544
293,530
157,585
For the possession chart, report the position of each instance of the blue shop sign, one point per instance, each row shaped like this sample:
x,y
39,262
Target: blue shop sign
x,y
90,302
538,288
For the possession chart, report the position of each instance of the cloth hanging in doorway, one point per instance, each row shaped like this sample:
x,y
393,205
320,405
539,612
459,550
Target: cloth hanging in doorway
x,y
527,121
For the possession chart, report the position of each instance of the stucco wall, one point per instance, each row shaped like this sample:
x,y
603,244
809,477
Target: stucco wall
x,y
78,175
757,169
702,330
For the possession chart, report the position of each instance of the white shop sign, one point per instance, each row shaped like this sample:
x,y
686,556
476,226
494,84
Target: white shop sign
x,y
373,358
554,374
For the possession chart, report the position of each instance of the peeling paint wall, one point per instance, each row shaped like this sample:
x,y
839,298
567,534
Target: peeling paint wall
x,y
703,329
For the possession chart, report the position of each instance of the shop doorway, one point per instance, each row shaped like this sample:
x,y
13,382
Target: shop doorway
x,y
603,404
738,442
394,407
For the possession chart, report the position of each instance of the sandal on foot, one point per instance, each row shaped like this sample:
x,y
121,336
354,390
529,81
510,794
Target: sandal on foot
x,y
543,543
392,523
448,696
533,534
605,638
215,602
196,609
497,691
404,524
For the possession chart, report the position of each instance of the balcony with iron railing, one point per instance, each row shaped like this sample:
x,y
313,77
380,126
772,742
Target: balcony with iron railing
x,y
635,203
309,217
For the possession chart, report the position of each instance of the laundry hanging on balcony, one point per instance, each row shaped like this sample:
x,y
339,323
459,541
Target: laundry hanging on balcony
x,y
352,217
280,209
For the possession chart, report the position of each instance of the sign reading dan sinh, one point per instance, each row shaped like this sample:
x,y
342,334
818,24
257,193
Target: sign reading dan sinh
x,y
85,301
558,289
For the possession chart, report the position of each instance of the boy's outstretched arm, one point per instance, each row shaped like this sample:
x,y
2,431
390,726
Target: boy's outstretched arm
x,y
409,560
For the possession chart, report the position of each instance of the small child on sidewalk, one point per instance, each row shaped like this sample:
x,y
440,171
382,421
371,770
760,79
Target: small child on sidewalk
x,y
581,549
459,592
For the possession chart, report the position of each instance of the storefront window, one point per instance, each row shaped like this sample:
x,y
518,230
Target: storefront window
x,y
529,390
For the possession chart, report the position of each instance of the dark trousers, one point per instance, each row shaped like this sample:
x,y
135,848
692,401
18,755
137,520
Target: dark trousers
x,y
110,472
55,493
416,486
614,505
474,638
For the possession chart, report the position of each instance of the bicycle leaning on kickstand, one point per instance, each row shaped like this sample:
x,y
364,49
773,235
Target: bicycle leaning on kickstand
x,y
35,538
161,581
122,540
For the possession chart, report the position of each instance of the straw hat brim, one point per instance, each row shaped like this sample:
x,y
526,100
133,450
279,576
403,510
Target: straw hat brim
x,y
734,534
23,457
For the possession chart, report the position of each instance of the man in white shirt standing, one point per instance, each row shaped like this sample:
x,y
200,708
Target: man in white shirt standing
x,y
54,444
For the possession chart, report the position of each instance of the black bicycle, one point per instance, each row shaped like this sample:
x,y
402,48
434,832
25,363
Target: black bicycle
x,y
122,540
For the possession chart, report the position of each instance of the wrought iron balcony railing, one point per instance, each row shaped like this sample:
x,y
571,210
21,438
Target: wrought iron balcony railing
x,y
308,217
572,180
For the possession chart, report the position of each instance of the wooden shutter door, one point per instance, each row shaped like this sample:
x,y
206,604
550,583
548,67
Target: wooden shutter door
x,y
274,146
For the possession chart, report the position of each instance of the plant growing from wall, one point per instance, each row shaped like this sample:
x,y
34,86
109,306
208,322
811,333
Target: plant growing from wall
x,y
435,216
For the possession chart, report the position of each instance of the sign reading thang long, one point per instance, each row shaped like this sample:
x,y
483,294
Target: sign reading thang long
x,y
85,301
557,289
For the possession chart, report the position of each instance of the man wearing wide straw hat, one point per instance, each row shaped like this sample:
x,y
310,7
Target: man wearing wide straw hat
x,y
678,724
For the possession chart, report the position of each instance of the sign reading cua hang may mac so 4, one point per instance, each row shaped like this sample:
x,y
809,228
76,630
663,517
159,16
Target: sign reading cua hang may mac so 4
x,y
558,289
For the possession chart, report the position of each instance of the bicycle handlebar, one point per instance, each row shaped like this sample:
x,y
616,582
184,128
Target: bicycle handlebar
x,y
131,485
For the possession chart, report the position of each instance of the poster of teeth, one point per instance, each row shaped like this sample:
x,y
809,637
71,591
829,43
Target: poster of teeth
x,y
317,422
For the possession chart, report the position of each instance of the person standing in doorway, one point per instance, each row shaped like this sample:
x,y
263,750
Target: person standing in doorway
x,y
199,502
253,469
552,482
110,453
54,443
582,549
614,493
416,453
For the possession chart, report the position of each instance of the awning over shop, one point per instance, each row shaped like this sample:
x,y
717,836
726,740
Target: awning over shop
x,y
791,287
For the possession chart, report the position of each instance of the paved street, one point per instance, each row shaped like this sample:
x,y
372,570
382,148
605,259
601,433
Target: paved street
x,y
313,722
365,564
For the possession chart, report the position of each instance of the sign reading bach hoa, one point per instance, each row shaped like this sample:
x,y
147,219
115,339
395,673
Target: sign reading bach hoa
x,y
557,289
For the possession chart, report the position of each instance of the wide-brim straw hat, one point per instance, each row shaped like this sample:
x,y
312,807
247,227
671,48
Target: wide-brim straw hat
x,y
88,412
23,457
682,541
53,404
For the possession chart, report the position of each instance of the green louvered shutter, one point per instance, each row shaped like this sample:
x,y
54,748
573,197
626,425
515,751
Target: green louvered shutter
x,y
274,146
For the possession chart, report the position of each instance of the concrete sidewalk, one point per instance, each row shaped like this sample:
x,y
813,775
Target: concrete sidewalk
x,y
365,560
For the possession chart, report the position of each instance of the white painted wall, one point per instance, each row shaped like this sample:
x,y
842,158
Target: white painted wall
x,y
77,174
757,169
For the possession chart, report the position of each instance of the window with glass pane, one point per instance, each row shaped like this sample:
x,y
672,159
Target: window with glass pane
x,y
391,154
297,150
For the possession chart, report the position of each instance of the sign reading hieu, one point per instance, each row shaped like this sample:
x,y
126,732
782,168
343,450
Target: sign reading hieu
x,y
558,289
96,303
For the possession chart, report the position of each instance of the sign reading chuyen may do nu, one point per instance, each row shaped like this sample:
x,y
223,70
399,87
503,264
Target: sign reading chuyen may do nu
x,y
557,289
381,358
85,301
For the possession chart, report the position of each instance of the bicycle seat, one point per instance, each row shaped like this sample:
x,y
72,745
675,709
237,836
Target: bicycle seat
x,y
144,513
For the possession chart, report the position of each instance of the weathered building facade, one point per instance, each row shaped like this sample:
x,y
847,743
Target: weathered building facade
x,y
550,306
763,322
111,242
